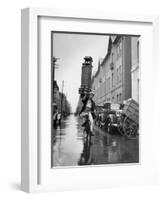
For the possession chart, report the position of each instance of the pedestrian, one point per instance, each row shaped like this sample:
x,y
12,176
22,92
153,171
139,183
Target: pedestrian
x,y
55,113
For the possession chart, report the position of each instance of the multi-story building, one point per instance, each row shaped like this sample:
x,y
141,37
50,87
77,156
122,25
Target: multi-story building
x,y
112,81
55,91
60,100
135,67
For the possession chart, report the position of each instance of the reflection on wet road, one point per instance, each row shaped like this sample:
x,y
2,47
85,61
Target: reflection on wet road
x,y
70,148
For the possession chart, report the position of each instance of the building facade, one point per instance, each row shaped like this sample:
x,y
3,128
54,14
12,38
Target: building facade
x,y
135,46
112,81
60,100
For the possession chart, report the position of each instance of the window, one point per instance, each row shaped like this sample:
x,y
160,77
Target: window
x,y
107,75
103,79
120,48
109,83
120,73
117,51
120,97
112,79
138,90
117,75
138,51
112,56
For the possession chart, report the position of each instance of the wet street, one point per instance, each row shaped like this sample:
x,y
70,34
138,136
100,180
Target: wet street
x,y
70,147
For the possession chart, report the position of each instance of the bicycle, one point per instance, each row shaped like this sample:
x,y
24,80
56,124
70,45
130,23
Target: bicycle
x,y
87,127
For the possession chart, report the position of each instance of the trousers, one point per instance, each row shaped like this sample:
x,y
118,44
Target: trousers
x,y
91,121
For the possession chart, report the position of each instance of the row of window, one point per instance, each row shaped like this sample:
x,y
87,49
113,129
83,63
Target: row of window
x,y
115,99
115,78
118,76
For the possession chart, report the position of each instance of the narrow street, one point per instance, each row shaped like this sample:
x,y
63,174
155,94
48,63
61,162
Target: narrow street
x,y
70,148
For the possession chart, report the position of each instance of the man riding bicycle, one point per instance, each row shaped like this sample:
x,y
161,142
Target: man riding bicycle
x,y
88,110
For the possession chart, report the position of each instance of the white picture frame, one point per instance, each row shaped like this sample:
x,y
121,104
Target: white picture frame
x,y
31,165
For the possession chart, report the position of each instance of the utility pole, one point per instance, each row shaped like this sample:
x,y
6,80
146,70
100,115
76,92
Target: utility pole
x,y
62,99
54,66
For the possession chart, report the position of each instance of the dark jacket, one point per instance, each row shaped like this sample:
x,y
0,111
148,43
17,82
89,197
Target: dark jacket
x,y
92,108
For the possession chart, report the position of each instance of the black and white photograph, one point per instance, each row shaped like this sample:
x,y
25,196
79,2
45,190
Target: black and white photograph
x,y
95,94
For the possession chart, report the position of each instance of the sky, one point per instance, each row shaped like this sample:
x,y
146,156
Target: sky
x,y
71,49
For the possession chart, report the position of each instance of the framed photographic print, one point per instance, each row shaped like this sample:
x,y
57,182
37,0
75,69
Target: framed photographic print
x,y
88,119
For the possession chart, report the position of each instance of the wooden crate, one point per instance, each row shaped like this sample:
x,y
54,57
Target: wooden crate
x,y
131,109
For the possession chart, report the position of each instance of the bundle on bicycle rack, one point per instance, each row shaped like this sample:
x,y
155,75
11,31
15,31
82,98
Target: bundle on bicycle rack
x,y
131,110
130,124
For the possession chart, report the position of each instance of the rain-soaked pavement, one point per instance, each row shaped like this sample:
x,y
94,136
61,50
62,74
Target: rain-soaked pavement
x,y
70,148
